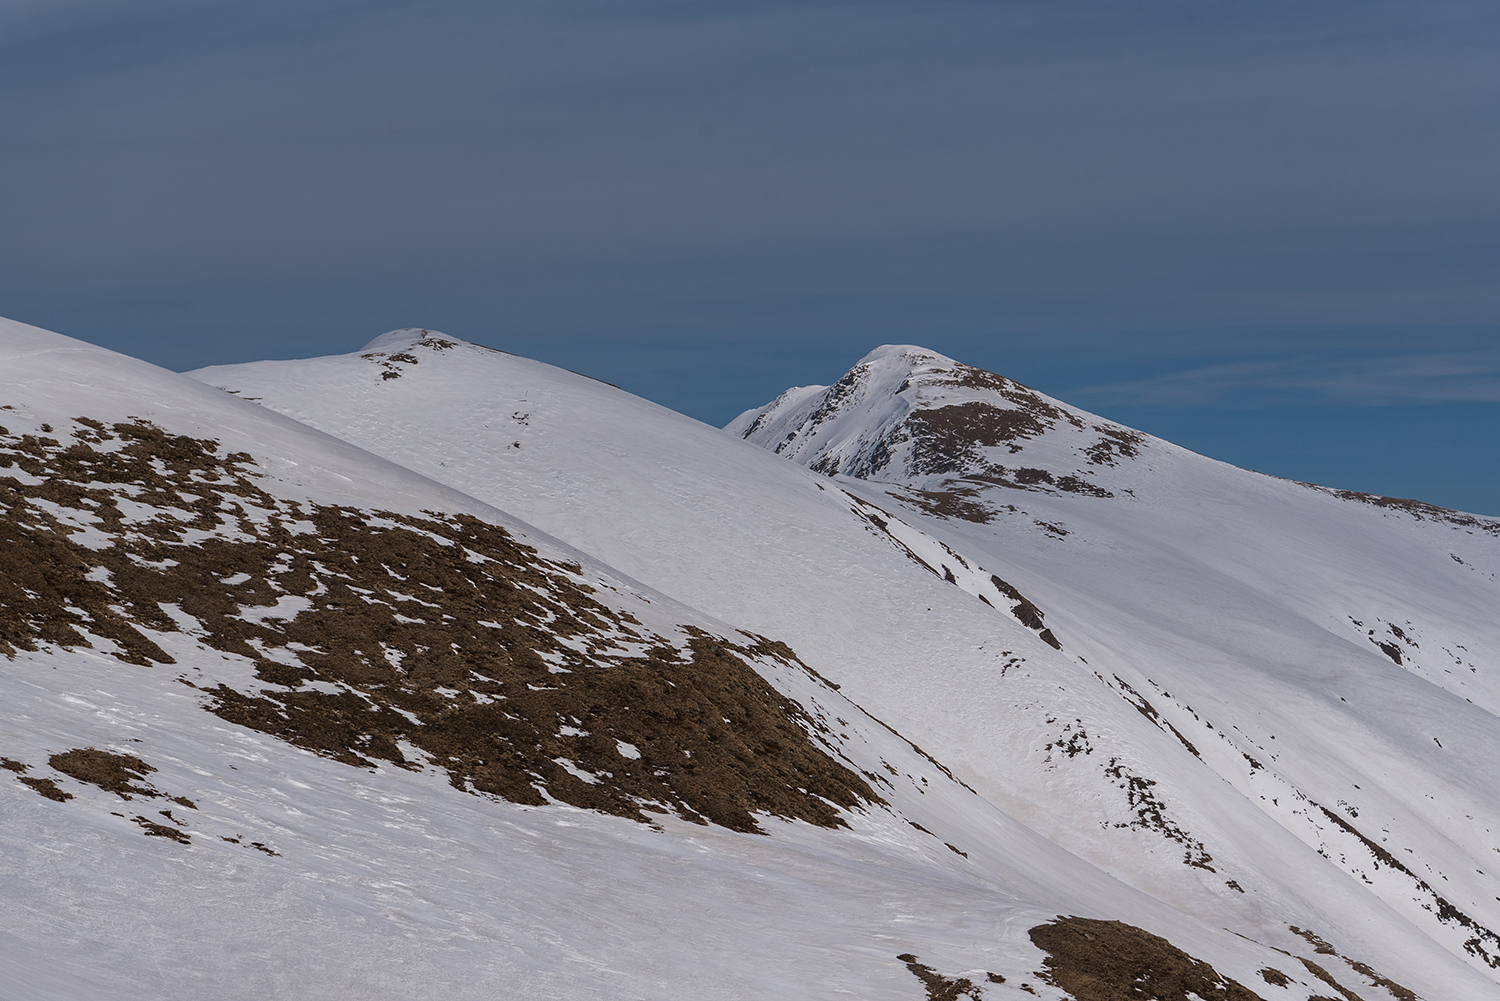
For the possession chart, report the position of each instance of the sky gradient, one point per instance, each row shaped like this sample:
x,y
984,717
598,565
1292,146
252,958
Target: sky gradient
x,y
1269,231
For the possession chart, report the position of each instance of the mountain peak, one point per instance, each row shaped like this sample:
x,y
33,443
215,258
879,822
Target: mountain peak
x,y
907,414
407,337
913,354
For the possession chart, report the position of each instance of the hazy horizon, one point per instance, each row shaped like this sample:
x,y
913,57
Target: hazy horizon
x,y
1264,232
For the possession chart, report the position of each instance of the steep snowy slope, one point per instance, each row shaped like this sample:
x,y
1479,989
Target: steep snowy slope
x,y
282,718
1037,689
1332,655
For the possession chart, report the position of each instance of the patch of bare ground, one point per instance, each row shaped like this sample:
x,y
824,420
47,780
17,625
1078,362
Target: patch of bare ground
x,y
954,502
941,988
1115,442
1147,710
945,439
1024,397
1482,943
1420,510
44,787
111,772
1026,612
1022,607
1032,478
1324,948
390,362
1151,814
1095,960
155,830
434,640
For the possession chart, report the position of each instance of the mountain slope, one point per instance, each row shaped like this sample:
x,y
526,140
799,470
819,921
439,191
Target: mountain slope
x,y
284,718
1357,633
1106,668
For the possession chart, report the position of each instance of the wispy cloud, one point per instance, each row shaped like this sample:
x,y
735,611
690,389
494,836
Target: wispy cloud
x,y
1385,379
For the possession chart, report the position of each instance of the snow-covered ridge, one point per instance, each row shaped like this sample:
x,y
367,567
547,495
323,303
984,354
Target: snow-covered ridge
x,y
908,414
1174,711
271,700
1187,606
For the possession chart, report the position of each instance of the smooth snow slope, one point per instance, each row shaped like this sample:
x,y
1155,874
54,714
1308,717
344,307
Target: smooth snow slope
x,y
1333,655
1078,742
281,872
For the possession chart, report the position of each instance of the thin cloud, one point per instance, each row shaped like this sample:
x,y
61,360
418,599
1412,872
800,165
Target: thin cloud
x,y
1373,380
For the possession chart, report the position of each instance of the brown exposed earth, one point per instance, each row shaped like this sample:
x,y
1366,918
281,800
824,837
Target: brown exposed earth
x,y
416,641
45,787
1324,948
1151,814
114,773
1095,960
1420,510
941,988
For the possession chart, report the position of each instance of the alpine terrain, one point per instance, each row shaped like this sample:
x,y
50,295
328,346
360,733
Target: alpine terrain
x,y
432,671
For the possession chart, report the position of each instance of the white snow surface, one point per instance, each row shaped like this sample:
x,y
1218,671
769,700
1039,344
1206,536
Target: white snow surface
x,y
1219,698
388,883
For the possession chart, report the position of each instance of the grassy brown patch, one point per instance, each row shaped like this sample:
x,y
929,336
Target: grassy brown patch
x,y
47,788
945,439
155,830
1151,814
114,773
1097,960
1420,510
954,502
385,637
1324,948
941,988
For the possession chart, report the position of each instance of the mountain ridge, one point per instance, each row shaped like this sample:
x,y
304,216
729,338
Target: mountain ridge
x,y
365,580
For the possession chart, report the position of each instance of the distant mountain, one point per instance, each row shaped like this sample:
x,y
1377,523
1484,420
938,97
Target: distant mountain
x,y
430,669
910,415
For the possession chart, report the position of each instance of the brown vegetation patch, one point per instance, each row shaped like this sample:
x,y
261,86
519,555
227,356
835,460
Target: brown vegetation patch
x,y
1327,978
1077,485
1070,742
1275,977
1112,961
1324,948
1147,710
1482,942
1420,510
944,439
1026,612
155,830
955,502
1039,480
381,636
47,788
941,988
1024,397
1151,814
1115,441
111,772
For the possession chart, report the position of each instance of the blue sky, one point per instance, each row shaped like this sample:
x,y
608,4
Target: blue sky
x,y
1267,230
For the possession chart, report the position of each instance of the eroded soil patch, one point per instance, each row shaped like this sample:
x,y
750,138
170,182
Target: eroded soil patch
x,y
1097,960
941,988
116,773
434,640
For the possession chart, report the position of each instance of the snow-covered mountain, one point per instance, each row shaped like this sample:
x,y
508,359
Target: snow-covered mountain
x,y
431,670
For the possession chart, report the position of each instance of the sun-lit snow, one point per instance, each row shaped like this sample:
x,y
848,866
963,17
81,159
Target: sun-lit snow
x,y
1168,706
1212,704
